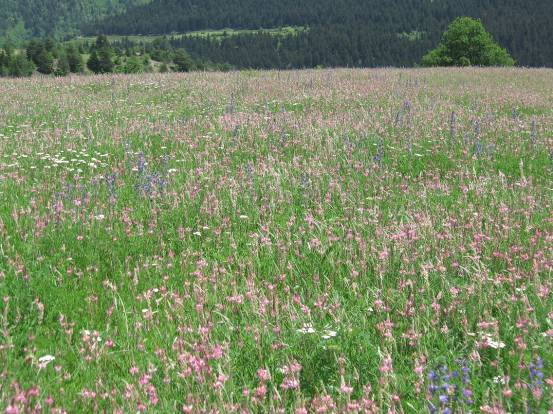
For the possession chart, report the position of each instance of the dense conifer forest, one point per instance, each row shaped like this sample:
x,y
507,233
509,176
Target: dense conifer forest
x,y
342,32
346,33
41,18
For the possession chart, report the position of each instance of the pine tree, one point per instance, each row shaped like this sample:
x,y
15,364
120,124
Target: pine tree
x,y
74,59
183,61
101,56
34,47
106,64
45,62
62,67
100,60
4,62
20,66
93,62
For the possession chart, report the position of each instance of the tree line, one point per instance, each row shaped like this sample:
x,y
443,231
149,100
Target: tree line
x,y
466,42
49,57
523,27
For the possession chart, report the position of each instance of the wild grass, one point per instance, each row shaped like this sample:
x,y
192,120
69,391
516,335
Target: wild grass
x,y
311,241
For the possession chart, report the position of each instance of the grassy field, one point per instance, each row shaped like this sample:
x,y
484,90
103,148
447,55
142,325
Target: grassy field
x,y
279,31
315,241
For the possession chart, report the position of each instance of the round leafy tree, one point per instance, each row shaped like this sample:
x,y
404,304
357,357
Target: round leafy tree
x,y
466,42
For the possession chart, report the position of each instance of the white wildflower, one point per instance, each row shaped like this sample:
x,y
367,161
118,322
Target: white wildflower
x,y
306,329
329,334
46,359
492,343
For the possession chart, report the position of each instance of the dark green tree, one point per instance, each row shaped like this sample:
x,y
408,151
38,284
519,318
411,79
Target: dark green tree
x,y
4,63
44,62
74,59
93,62
9,48
50,45
182,60
101,57
34,47
466,42
105,56
133,65
20,66
62,65
102,42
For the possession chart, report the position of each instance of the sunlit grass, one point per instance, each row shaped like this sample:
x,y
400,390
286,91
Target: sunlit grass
x,y
320,241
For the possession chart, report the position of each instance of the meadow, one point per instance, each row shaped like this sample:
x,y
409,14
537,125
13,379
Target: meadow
x,y
326,241
220,34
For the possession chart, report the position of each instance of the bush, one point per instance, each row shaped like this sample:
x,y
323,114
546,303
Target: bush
x,y
467,43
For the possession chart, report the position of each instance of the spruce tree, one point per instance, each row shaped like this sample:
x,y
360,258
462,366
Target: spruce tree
x,y
45,62
4,62
105,60
74,59
20,66
183,61
62,66
93,62
101,57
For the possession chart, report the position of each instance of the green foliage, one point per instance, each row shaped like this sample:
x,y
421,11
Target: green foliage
x,y
21,20
133,65
20,66
44,62
50,57
302,34
466,42
182,60
4,63
93,62
143,234
74,59
101,57
62,67
350,33
102,42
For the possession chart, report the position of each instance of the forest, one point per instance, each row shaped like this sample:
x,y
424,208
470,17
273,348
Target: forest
x,y
344,33
21,19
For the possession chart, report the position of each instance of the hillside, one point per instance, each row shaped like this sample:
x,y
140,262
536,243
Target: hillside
x,y
21,19
408,27
353,33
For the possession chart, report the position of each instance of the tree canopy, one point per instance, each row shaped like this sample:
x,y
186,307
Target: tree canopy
x,y
101,56
467,43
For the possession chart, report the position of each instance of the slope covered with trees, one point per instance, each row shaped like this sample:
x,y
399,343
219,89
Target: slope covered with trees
x,y
522,27
20,19
336,32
